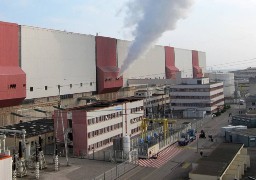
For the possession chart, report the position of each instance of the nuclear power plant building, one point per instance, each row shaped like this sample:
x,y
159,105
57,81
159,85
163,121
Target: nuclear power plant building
x,y
40,66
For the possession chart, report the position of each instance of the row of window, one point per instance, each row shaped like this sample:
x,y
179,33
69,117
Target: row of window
x,y
191,104
102,143
159,100
70,85
137,119
135,130
13,86
189,90
105,130
104,118
134,110
197,97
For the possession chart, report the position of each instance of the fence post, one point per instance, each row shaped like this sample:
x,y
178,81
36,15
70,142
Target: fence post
x,y
116,172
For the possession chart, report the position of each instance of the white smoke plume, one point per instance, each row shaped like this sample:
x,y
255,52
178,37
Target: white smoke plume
x,y
150,19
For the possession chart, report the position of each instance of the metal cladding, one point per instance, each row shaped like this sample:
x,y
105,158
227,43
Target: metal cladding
x,y
197,71
79,126
170,68
12,78
107,67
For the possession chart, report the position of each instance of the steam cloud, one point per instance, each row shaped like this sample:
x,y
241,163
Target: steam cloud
x,y
150,19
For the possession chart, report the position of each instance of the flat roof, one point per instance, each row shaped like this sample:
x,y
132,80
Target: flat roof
x,y
245,132
217,162
105,104
32,128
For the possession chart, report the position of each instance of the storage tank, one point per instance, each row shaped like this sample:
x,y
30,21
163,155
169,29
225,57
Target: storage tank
x,y
126,144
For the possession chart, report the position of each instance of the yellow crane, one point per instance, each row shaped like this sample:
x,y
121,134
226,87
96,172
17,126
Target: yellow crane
x,y
144,126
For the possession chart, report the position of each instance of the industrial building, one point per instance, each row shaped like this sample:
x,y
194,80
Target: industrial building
x,y
243,136
32,129
248,120
198,95
96,125
227,162
40,66
251,98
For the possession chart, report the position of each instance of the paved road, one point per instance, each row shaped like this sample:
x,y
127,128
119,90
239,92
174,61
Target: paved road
x,y
175,162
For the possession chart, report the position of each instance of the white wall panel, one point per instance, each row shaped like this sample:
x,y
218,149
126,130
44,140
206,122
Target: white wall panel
x,y
183,61
202,60
51,58
6,168
152,65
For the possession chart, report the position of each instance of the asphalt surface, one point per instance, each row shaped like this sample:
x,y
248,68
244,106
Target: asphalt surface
x,y
179,166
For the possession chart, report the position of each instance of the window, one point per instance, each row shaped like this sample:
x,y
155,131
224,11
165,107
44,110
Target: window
x,y
90,83
81,84
70,85
31,88
45,87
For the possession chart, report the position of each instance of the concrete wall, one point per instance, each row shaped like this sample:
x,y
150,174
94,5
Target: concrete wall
x,y
6,167
202,61
51,58
183,61
155,57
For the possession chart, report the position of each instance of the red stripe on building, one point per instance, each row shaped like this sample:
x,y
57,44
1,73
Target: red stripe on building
x,y
12,78
197,70
80,137
107,67
170,68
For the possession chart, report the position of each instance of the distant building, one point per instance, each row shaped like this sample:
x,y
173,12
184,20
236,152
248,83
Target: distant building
x,y
251,98
244,136
248,120
198,94
228,83
245,73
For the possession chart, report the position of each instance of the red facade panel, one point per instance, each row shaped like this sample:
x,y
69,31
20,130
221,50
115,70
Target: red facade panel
x,y
170,68
9,44
197,71
79,127
107,67
12,78
60,122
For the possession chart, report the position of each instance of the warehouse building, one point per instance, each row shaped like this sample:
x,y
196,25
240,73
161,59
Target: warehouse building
x,y
248,120
226,162
39,66
244,136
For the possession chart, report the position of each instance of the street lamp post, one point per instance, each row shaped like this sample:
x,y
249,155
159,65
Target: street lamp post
x,y
196,137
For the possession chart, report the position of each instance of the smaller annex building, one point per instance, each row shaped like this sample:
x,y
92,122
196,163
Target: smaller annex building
x,y
227,162
248,120
244,136
32,130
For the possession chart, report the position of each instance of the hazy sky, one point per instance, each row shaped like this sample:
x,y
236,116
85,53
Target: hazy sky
x,y
224,29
